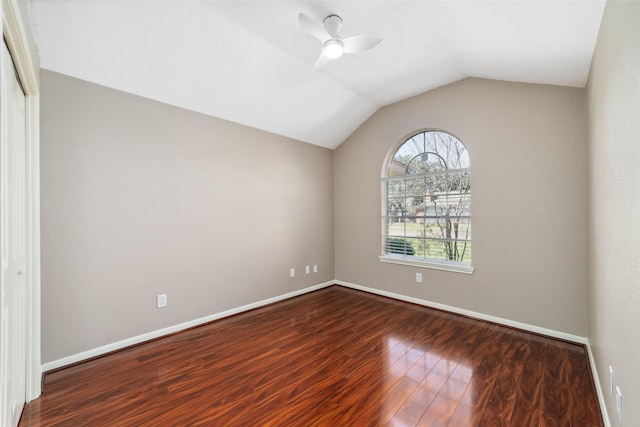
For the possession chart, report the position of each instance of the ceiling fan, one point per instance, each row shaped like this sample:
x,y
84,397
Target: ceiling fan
x,y
333,46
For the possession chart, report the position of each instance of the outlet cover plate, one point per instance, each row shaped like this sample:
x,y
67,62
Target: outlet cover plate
x,y
619,404
161,301
611,380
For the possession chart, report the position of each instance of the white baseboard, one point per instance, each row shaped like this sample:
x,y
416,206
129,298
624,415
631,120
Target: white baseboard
x,y
481,316
99,351
599,391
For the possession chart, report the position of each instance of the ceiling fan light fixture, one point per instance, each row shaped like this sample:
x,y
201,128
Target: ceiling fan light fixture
x,y
333,49
333,45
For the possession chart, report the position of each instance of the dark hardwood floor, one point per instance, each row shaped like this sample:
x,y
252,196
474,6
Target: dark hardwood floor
x,y
334,357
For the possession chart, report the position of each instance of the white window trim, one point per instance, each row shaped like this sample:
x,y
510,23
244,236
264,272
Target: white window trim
x,y
414,262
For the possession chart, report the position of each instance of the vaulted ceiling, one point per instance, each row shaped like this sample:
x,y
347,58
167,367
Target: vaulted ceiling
x,y
251,62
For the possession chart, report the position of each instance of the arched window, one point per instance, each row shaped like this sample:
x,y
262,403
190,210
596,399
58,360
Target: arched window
x,y
427,203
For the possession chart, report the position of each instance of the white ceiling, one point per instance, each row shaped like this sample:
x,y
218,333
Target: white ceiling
x,y
250,62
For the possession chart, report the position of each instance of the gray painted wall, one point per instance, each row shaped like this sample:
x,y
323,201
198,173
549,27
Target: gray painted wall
x,y
613,100
527,145
140,198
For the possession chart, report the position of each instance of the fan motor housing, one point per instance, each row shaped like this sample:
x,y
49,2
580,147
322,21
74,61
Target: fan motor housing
x,y
333,25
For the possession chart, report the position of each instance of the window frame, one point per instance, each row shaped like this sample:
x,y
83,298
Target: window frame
x,y
410,260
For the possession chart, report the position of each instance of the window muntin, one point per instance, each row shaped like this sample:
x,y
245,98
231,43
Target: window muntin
x,y
427,201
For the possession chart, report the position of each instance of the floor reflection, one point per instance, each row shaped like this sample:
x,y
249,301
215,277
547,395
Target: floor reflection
x,y
436,390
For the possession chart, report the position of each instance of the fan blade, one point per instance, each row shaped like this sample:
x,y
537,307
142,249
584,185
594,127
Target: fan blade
x,y
361,43
322,62
315,28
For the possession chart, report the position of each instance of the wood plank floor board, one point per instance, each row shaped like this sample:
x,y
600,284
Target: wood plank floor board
x,y
333,357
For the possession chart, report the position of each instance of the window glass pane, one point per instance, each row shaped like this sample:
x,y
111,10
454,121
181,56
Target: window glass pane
x,y
396,207
399,246
447,228
425,163
406,152
396,188
396,226
449,148
449,204
460,181
417,245
416,186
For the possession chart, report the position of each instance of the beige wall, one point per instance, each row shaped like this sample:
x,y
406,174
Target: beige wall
x,y
141,198
613,101
527,146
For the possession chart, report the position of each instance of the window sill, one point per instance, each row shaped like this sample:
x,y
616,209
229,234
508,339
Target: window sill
x,y
466,269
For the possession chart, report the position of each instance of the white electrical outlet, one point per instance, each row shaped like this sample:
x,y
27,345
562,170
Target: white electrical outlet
x,y
418,277
611,380
315,268
307,270
619,404
161,301
292,272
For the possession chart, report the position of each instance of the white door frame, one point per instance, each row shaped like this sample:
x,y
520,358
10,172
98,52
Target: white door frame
x,y
26,62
